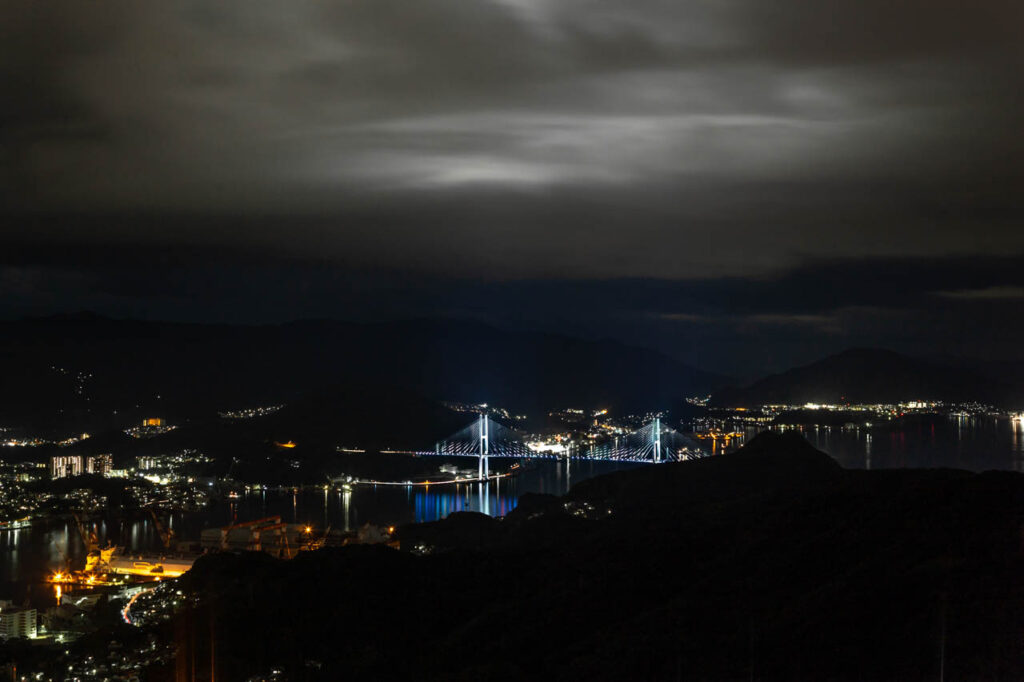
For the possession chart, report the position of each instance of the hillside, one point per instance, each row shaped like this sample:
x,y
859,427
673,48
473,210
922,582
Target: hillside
x,y
366,416
868,376
772,563
81,370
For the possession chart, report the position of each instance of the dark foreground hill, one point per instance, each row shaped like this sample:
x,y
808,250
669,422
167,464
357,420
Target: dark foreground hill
x,y
772,563
866,375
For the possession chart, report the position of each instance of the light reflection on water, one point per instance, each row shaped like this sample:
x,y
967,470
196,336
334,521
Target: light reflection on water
x,y
437,503
28,555
972,443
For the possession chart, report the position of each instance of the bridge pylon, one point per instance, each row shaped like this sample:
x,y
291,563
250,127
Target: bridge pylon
x,y
482,464
656,437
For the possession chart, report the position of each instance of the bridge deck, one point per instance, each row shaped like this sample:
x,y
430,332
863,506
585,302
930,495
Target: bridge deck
x,y
485,438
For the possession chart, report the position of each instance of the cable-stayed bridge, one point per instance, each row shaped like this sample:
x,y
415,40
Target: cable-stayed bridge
x,y
485,438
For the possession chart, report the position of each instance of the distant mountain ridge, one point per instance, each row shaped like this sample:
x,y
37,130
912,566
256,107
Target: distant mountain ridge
x,y
82,366
869,375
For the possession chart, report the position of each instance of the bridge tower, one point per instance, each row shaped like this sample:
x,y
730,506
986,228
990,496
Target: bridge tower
x,y
656,434
483,467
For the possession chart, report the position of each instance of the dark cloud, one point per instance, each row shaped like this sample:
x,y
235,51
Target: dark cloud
x,y
859,31
734,165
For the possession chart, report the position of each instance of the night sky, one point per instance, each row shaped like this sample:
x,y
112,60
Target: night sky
x,y
743,184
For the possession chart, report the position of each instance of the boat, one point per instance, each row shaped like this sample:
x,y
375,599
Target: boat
x,y
16,524
150,565
108,566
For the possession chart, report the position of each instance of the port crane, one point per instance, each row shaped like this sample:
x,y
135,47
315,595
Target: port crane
x,y
67,561
268,521
89,538
166,534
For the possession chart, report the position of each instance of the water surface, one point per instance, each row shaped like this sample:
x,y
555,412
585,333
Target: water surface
x,y
28,555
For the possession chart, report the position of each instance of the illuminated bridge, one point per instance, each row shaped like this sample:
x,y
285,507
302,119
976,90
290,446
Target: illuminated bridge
x,y
486,438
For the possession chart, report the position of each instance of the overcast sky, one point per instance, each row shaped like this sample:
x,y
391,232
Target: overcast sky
x,y
741,183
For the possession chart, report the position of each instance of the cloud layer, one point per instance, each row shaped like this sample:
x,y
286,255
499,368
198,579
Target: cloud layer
x,y
522,138
713,177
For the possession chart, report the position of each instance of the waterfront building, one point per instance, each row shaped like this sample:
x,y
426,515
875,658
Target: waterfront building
x,y
17,622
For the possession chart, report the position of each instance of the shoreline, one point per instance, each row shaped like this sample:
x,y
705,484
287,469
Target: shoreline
x,y
456,481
